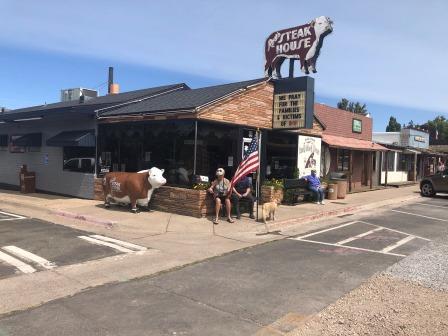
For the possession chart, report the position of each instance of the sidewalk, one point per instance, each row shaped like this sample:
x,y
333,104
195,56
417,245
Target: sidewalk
x,y
120,219
173,240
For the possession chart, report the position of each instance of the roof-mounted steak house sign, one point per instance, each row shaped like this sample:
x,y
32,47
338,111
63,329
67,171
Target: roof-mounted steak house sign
x,y
302,43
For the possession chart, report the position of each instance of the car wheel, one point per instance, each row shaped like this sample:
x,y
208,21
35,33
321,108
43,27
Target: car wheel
x,y
427,189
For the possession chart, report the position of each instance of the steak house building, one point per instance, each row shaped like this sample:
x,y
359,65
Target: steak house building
x,y
184,131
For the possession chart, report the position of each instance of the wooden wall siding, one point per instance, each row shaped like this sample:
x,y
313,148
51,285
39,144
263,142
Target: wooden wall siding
x,y
251,108
317,130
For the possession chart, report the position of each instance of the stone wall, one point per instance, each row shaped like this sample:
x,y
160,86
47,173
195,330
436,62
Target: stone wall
x,y
182,201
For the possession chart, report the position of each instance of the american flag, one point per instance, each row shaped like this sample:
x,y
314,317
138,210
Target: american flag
x,y
249,164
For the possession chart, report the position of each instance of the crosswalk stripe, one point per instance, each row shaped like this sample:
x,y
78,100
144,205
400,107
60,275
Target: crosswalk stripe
x,y
20,265
104,243
120,242
348,240
397,244
326,230
418,215
28,256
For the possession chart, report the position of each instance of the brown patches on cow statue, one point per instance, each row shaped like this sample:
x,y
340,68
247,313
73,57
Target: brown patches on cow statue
x,y
132,188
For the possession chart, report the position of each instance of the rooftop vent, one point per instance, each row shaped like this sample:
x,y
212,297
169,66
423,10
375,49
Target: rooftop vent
x,y
77,93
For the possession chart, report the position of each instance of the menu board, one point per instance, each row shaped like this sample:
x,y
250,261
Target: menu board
x,y
289,110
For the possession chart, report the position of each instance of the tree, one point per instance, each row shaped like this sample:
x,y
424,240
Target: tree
x,y
393,126
437,129
355,107
343,104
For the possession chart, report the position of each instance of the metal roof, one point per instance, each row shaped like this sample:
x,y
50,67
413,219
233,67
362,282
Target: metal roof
x,y
88,106
181,100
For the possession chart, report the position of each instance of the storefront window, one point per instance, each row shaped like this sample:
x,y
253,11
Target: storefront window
x,y
132,147
79,159
343,160
405,162
3,142
281,154
217,147
390,160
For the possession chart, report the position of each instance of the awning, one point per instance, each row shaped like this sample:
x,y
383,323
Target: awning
x,y
411,151
351,143
28,140
84,138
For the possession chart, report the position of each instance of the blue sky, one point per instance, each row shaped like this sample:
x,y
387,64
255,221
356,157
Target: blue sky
x,y
388,54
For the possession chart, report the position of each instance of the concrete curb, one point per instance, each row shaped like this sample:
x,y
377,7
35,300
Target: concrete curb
x,y
107,223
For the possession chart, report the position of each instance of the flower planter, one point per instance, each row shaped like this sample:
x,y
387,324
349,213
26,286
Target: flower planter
x,y
269,194
182,201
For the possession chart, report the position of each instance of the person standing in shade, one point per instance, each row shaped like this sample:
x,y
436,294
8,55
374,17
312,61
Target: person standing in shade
x,y
315,186
243,190
220,189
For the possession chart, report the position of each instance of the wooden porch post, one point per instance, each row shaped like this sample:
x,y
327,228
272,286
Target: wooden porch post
x,y
386,153
415,167
371,169
350,171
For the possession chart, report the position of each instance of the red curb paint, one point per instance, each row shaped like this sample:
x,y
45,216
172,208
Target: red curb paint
x,y
108,224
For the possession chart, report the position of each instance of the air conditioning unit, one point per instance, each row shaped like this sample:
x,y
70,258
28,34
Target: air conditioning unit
x,y
77,93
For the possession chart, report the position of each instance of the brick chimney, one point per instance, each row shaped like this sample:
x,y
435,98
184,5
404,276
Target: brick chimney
x,y
113,88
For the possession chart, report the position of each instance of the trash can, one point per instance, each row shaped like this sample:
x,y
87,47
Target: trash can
x,y
332,191
342,188
27,181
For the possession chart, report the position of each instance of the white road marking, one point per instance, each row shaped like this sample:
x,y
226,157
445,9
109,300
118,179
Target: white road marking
x,y
100,242
28,256
326,230
398,231
14,216
348,240
397,244
120,242
348,247
433,205
418,215
20,265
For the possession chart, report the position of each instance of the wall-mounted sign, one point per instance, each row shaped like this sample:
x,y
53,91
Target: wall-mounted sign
x,y
419,138
357,126
289,110
309,152
302,43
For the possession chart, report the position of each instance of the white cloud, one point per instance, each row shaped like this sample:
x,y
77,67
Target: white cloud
x,y
383,51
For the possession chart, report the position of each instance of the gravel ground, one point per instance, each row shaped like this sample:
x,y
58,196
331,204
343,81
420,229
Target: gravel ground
x,y
410,298
428,266
383,306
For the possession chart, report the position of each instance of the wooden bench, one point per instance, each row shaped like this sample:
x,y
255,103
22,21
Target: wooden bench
x,y
299,188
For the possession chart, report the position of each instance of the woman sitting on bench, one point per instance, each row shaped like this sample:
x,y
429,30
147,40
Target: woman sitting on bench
x,y
220,189
314,186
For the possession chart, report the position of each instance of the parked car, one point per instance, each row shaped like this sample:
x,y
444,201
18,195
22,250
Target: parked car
x,y
81,165
437,183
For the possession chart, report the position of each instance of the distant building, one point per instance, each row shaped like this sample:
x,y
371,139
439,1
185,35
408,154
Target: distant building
x,y
405,159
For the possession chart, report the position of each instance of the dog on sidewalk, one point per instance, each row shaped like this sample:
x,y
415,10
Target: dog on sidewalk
x,y
269,208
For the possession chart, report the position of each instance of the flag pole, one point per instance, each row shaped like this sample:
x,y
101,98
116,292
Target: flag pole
x,y
258,170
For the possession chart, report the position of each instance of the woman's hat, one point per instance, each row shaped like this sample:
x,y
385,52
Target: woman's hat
x,y
220,172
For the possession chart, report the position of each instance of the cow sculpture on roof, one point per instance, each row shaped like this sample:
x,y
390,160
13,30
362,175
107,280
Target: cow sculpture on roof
x,y
132,188
302,43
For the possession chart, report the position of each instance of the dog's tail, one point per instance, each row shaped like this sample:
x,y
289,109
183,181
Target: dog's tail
x,y
263,213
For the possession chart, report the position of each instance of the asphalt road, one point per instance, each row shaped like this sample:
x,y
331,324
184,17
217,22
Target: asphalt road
x,y
30,245
239,293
